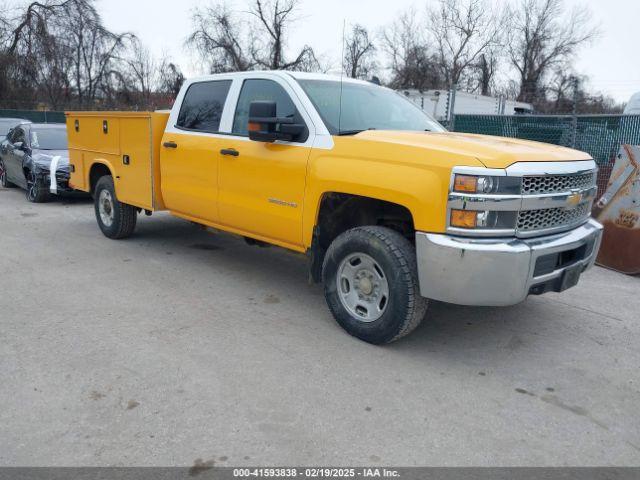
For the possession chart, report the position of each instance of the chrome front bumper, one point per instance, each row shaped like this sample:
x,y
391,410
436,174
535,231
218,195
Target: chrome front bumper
x,y
499,272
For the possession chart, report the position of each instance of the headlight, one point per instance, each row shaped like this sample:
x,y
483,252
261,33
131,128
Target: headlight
x,y
484,185
481,219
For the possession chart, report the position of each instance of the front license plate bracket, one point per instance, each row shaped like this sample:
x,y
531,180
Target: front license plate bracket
x,y
570,277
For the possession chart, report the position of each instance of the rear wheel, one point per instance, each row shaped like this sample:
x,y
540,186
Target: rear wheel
x,y
116,220
37,191
371,284
4,181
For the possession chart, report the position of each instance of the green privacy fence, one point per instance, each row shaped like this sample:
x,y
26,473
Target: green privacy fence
x,y
598,135
35,116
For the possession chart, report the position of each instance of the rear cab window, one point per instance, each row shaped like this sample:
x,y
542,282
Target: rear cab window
x,y
202,107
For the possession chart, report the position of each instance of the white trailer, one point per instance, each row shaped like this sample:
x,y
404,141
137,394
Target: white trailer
x,y
633,107
438,103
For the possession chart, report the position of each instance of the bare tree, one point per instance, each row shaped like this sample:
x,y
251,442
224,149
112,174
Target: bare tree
x,y
564,88
28,53
274,18
46,62
94,49
461,30
220,40
485,72
543,37
411,63
5,26
306,62
59,53
359,53
32,20
5,58
142,70
170,78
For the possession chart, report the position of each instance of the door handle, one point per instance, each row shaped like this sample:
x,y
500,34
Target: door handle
x,y
232,152
170,145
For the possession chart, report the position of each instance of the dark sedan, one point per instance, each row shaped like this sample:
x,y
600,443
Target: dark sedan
x,y
35,157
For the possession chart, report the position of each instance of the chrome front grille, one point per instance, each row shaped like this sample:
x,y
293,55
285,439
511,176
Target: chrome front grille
x,y
544,184
534,220
526,200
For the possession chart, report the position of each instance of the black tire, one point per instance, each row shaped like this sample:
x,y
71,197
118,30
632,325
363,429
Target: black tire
x,y
404,309
3,176
37,191
123,217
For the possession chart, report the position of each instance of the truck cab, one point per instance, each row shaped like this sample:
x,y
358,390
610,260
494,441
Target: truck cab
x,y
389,207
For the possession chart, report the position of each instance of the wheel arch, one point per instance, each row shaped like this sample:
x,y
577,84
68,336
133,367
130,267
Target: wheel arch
x,y
98,169
338,212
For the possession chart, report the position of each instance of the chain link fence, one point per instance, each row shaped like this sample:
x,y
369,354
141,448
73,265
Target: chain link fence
x,y
599,135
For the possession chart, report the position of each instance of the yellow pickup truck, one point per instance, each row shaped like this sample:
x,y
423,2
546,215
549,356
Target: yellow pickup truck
x,y
390,208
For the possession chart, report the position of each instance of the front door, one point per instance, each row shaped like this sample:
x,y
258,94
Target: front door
x,y
262,185
190,152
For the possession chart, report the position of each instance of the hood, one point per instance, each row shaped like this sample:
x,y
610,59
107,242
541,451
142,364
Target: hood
x,y
42,158
492,152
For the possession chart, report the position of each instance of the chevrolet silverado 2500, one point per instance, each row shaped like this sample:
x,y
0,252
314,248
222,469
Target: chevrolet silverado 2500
x,y
390,208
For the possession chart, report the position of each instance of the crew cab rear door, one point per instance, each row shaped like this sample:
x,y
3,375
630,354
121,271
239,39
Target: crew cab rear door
x,y
262,185
190,151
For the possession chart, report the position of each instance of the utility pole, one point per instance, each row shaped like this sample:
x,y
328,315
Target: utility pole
x,y
575,83
574,120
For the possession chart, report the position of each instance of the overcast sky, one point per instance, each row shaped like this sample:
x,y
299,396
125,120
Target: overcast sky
x,y
612,61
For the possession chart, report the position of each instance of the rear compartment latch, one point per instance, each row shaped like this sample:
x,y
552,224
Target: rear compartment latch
x,y
105,126
126,160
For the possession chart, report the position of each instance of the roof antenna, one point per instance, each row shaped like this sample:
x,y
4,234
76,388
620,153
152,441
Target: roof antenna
x,y
344,28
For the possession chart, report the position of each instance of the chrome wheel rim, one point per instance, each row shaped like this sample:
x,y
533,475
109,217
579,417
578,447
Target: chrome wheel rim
x,y
105,208
363,287
32,187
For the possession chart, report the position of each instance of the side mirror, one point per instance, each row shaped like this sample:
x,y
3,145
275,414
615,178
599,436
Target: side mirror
x,y
265,126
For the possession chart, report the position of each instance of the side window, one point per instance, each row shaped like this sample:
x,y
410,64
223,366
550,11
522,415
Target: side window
x,y
262,90
202,106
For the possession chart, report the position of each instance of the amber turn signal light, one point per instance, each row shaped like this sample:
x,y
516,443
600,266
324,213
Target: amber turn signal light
x,y
465,183
464,218
253,127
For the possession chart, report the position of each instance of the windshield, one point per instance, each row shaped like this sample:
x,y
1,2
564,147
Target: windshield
x,y
365,107
49,138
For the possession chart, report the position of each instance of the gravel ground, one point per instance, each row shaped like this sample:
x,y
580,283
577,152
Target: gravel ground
x,y
180,346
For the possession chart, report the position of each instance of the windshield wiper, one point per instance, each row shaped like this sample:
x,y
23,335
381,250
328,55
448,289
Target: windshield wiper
x,y
353,132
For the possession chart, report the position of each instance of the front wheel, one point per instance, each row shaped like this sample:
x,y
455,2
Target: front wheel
x,y
37,192
116,220
371,284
